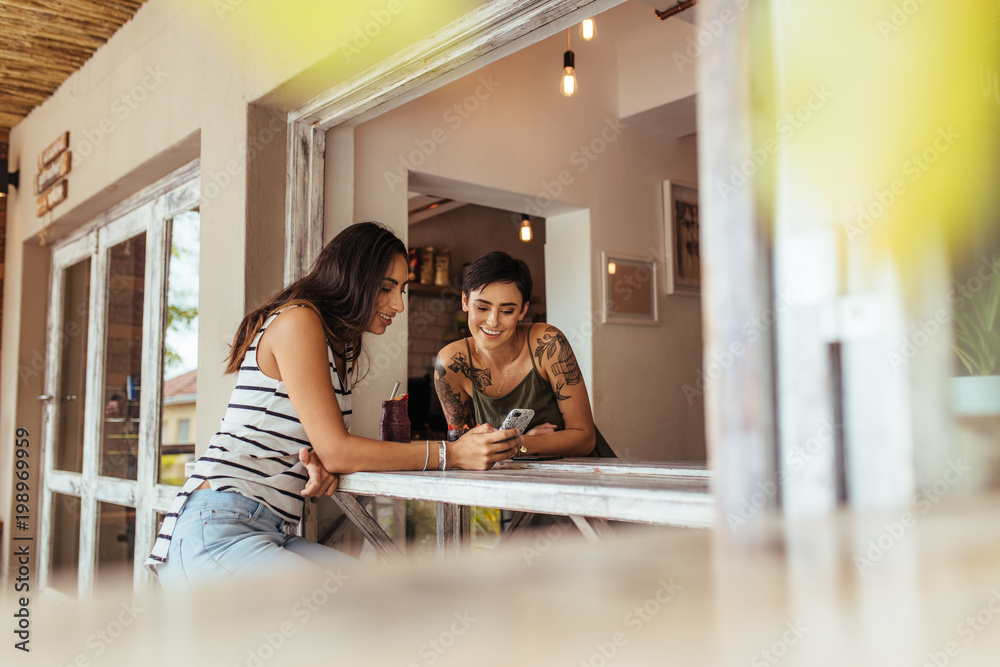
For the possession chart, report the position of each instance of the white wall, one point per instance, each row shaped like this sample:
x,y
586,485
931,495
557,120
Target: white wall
x,y
514,132
650,76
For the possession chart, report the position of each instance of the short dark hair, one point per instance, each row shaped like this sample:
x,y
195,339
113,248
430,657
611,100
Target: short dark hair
x,y
498,267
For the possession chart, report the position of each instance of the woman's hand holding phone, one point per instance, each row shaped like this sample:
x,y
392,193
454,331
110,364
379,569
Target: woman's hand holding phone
x,y
518,418
483,446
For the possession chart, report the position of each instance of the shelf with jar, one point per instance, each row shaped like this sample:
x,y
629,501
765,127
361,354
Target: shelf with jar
x,y
432,290
429,265
430,276
449,292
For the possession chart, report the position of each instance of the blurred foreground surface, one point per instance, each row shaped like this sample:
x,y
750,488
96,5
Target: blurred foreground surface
x,y
912,587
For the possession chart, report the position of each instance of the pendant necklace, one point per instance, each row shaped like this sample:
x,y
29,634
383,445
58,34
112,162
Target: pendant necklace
x,y
507,368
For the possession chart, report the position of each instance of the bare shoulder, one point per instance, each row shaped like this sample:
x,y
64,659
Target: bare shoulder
x,y
546,339
297,325
451,351
556,361
538,331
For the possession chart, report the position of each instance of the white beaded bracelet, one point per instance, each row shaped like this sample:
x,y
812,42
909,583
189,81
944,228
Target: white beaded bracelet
x,y
442,454
427,453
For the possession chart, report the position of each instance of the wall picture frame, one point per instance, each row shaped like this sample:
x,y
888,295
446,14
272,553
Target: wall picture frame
x,y
629,289
682,233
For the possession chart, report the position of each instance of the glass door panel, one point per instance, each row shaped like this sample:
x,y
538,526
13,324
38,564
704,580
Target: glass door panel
x,y
123,358
115,541
72,393
180,349
65,549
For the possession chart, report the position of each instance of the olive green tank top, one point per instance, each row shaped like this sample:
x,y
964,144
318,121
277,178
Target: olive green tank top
x,y
533,392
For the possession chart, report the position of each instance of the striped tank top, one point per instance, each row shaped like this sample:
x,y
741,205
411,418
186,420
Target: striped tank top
x,y
256,451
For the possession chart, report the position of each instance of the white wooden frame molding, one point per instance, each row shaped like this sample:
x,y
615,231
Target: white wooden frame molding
x,y
182,174
673,288
609,317
478,38
147,211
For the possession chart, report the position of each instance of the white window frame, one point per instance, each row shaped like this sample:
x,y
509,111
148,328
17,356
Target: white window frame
x,y
148,211
484,35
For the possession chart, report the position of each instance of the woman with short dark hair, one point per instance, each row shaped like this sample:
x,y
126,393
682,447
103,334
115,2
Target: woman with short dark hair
x,y
506,364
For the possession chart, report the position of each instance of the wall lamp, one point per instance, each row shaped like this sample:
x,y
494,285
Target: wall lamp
x,y
8,178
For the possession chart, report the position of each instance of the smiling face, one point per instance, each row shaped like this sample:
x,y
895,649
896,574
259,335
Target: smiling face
x,y
494,312
390,298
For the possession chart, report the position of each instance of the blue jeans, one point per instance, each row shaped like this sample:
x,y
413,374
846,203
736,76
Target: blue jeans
x,y
222,536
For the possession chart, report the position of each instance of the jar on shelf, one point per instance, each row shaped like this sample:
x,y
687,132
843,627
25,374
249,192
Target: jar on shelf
x,y
413,259
427,265
442,266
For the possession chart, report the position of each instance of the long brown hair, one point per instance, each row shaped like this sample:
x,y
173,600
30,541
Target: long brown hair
x,y
342,288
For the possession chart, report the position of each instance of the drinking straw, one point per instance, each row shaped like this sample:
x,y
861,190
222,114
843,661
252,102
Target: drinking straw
x,y
395,388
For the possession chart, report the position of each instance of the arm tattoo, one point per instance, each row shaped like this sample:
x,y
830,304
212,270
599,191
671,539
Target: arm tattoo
x,y
456,410
481,378
551,343
560,396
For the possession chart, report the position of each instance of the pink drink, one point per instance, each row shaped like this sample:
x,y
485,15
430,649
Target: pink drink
x,y
395,424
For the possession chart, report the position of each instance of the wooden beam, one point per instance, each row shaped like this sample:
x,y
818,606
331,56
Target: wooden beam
x,y
594,530
373,532
453,529
736,275
516,527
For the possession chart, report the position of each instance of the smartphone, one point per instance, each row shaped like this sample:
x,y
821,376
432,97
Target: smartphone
x,y
518,418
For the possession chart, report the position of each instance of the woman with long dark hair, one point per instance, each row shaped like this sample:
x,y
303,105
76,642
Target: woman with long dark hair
x,y
285,432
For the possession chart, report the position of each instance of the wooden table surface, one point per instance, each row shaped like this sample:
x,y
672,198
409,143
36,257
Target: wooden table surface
x,y
665,494
613,467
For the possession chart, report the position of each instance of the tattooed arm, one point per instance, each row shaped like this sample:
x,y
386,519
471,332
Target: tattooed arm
x,y
455,400
557,364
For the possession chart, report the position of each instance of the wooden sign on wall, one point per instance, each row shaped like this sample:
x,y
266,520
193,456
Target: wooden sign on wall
x,y
53,164
53,172
54,195
53,150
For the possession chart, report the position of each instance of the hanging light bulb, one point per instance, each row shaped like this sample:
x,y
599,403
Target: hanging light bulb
x,y
587,29
568,86
525,229
612,267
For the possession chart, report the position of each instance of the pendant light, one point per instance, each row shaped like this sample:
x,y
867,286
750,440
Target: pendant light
x,y
568,87
525,228
588,29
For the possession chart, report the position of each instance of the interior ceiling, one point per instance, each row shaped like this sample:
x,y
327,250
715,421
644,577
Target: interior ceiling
x,y
423,206
42,42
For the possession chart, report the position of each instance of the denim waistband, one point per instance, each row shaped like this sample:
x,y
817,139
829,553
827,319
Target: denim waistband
x,y
259,511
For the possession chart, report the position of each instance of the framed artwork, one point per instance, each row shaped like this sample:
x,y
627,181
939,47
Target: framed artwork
x,y
629,289
682,233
